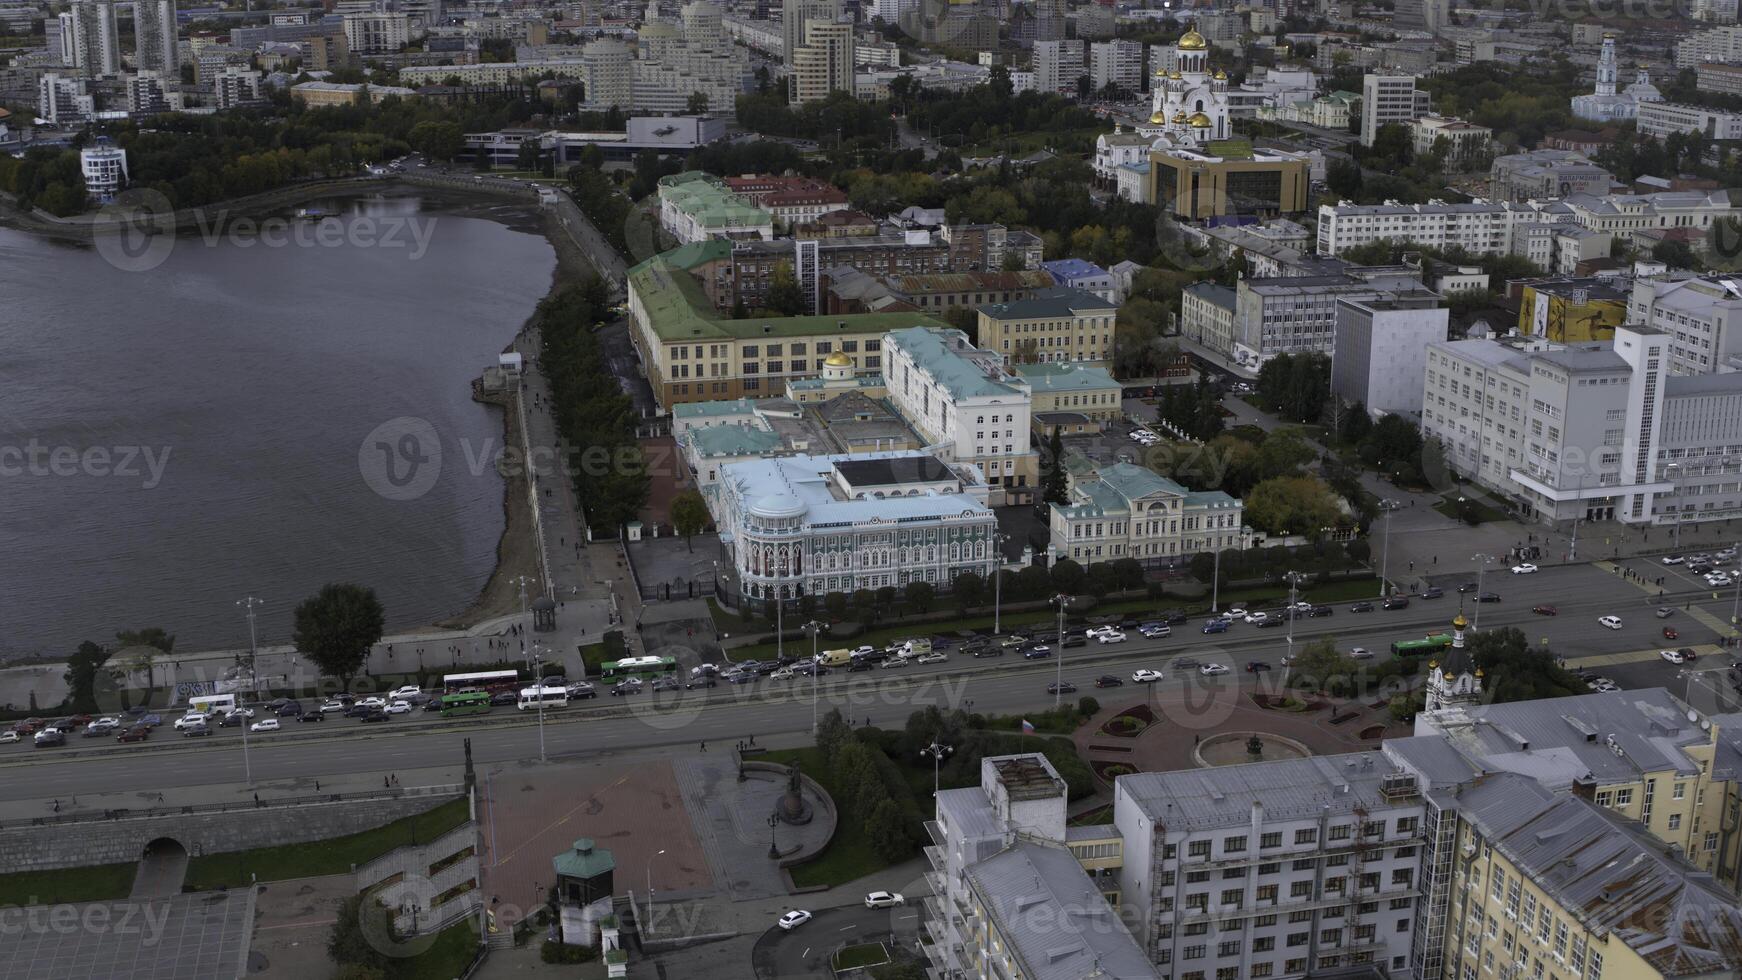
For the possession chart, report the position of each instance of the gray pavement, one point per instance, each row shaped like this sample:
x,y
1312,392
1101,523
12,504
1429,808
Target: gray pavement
x,y
731,817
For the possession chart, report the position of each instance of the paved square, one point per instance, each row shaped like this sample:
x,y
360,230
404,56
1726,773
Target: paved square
x,y
205,934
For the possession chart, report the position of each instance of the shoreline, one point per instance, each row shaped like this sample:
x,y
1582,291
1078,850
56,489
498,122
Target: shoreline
x,y
516,548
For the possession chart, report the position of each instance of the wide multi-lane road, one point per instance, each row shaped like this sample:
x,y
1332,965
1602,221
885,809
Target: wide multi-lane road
x,y
725,714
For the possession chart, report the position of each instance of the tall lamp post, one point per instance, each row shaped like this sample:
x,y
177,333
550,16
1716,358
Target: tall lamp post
x,y
1676,531
538,687
248,604
998,539
1482,563
521,581
1293,583
1216,583
813,628
650,883
1058,687
773,852
1387,506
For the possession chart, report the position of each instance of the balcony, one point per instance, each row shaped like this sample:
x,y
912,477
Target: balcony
x,y
935,856
935,832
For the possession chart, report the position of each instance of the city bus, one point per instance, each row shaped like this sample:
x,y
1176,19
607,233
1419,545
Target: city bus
x,y
551,697
1433,643
484,680
213,704
646,668
465,703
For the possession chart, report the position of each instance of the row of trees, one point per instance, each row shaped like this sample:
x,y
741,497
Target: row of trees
x,y
596,419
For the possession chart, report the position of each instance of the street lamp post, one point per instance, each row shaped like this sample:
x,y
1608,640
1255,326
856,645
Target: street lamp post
x,y
650,883
521,581
1482,563
1676,531
248,604
1293,583
538,686
998,539
1385,549
773,852
1058,690
1216,584
813,628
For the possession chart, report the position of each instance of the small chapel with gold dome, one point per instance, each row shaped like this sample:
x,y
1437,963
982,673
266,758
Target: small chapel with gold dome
x,y
1189,105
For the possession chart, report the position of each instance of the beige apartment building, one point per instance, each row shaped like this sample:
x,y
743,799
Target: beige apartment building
x,y
1052,325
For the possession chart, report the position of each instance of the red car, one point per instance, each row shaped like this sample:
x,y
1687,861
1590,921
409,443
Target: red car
x,y
1669,633
1545,610
138,733
28,726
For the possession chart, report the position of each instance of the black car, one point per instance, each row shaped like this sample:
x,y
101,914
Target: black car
x,y
434,704
195,731
556,680
700,680
1396,602
232,720
1075,640
1318,611
501,698
860,663
1065,688
941,643
1488,597
1037,652
374,714
1108,680
1172,617
666,684
1466,588
749,666
986,651
137,733
1273,622
1432,592
290,710
277,703
808,668
1254,666
585,689
1185,663
1361,607
311,716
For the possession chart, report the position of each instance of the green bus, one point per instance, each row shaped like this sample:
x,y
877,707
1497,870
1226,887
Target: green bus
x,y
1433,643
465,703
646,668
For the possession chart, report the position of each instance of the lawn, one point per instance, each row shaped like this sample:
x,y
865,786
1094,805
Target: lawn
x,y
62,885
328,857
1473,507
860,956
848,856
450,955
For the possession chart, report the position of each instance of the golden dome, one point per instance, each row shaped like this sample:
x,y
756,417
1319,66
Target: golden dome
x,y
1199,121
1460,622
1192,41
1159,119
1221,76
1478,672
1179,117
1175,75
1161,73
1433,665
837,359
1449,676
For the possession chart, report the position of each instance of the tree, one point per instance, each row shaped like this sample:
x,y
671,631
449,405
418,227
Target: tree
x,y
82,672
920,596
689,512
336,627
835,604
1344,178
1320,667
1067,576
969,589
885,598
886,832
145,647
361,931
1292,505
865,603
784,296
1514,671
1102,580
1356,424
1052,482
697,104
437,140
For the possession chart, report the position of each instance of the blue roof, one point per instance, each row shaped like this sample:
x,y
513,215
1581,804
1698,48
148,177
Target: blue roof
x,y
1073,268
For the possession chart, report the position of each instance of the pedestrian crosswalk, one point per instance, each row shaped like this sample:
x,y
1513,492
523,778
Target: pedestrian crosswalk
x,y
1633,656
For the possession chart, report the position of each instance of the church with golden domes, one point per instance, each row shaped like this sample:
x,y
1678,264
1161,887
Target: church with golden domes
x,y
1189,105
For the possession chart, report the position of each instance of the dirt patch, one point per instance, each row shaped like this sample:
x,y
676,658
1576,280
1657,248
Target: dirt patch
x,y
516,553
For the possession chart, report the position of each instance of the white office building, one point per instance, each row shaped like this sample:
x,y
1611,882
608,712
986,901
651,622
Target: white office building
x,y
964,405
1381,350
1721,45
810,525
1387,99
62,99
1121,510
1298,314
1660,119
1701,317
154,37
148,93
377,33
1118,63
1058,65
105,171
236,86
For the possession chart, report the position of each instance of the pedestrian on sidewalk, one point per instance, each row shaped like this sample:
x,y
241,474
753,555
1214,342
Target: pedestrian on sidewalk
x,y
704,746
385,784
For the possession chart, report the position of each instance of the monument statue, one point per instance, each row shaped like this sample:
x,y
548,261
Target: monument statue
x,y
792,808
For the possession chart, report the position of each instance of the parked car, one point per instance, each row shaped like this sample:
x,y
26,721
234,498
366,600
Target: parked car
x,y
1545,610
401,693
794,919
1673,656
884,900
9,736
1673,559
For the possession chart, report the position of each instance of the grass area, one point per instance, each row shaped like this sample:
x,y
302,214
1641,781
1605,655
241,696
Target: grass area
x,y
1473,510
450,955
1100,816
860,956
328,857
62,885
594,656
849,856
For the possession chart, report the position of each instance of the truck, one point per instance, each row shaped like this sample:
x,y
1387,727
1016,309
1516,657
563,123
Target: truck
x,y
835,658
914,648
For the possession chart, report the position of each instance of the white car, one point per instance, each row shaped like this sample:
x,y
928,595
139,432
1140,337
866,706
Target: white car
x,y
372,703
1673,559
1525,569
1098,631
1145,676
1610,622
863,651
933,658
1360,653
1602,685
1111,637
8,736
1715,581
103,725
1673,656
401,693
267,725
1212,669
1257,617
783,674
1156,632
884,900
332,707
889,664
398,708
1234,612
794,919
191,719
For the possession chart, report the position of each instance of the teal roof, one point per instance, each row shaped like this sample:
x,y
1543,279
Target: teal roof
x,y
956,374
715,409
689,256
1210,498
859,381
1054,377
1110,489
734,440
1049,303
706,200
584,860
1132,481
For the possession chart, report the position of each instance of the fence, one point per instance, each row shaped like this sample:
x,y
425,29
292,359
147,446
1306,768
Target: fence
x,y
125,813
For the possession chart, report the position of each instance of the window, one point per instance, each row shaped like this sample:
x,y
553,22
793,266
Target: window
x,y
1262,969
1330,937
1675,821
1194,952
1263,944
1341,831
1308,836
1299,938
1300,915
1197,928
1228,949
1197,877
1679,792
1267,893
1300,889
1233,896
1198,848
1234,845
1624,797
1274,839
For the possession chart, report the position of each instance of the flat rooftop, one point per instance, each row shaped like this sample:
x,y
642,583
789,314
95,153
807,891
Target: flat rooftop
x,y
204,934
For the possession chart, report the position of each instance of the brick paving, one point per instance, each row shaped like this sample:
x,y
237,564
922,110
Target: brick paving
x,y
532,813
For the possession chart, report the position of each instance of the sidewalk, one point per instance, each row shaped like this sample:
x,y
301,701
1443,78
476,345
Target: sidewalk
x,y
268,791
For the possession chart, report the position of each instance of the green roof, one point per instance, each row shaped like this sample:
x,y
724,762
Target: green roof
x,y
679,310
1132,481
709,202
956,374
734,440
1052,377
689,256
1230,149
584,860
713,409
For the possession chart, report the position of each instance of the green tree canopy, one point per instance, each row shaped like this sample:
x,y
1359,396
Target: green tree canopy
x,y
336,628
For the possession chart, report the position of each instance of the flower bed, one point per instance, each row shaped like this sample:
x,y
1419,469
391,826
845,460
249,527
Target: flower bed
x,y
1129,723
1373,732
1109,771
